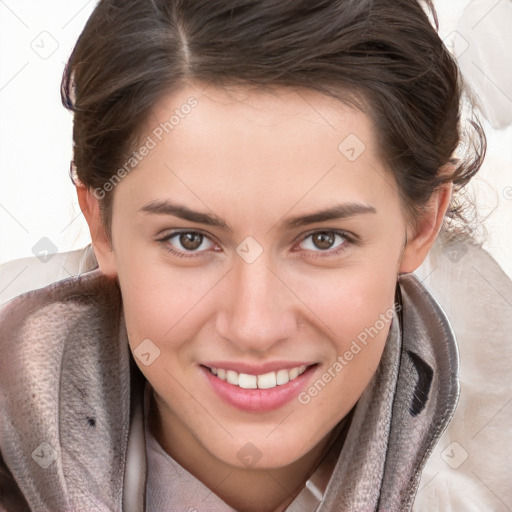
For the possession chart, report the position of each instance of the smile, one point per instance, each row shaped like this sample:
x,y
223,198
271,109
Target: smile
x,y
258,389
265,381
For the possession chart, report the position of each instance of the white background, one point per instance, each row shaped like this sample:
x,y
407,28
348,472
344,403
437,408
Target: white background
x,y
37,198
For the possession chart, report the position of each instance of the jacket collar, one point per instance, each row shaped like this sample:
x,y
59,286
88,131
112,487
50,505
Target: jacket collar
x,y
72,430
403,411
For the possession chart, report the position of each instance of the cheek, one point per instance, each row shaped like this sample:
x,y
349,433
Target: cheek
x,y
356,308
360,321
156,296
361,303
168,307
163,309
347,301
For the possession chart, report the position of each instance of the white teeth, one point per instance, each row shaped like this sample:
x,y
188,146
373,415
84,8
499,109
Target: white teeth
x,y
282,377
294,373
232,377
266,381
247,381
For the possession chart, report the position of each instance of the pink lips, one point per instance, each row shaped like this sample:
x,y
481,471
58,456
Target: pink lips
x,y
257,400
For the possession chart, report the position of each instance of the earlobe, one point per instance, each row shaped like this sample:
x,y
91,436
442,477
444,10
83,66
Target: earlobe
x,y
422,236
89,204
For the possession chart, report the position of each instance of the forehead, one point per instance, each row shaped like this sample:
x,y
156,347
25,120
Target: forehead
x,y
289,112
281,145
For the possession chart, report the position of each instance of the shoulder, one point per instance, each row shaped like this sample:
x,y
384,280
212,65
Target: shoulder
x,y
26,274
476,294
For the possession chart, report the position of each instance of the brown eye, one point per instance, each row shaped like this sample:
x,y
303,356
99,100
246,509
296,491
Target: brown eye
x,y
188,243
323,240
328,242
191,241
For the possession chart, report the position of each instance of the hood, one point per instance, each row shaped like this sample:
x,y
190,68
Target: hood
x,y
72,434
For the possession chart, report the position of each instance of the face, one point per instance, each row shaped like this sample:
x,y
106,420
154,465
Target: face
x,y
256,241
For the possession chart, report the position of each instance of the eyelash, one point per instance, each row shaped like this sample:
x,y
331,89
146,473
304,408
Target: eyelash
x,y
348,238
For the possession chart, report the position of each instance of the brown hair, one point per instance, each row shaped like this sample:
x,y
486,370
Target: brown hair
x,y
384,52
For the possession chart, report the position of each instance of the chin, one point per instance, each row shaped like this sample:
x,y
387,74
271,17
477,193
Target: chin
x,y
261,452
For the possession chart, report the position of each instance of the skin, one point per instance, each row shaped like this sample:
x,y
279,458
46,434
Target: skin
x,y
255,160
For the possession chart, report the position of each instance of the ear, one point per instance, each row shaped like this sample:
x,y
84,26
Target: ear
x,y
89,204
421,236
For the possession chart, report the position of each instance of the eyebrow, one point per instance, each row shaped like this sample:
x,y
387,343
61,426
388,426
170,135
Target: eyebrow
x,y
340,211
168,208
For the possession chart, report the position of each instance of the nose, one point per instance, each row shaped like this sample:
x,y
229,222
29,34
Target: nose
x,y
257,310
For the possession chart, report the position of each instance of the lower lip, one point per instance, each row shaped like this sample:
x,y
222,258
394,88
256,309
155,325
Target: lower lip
x,y
258,400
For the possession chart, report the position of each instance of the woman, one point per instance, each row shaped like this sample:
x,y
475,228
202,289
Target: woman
x,y
260,179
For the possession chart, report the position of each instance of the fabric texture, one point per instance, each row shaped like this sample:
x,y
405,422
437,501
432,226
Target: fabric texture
x,y
470,468
27,274
72,434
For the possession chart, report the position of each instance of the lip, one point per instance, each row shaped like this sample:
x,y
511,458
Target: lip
x,y
258,400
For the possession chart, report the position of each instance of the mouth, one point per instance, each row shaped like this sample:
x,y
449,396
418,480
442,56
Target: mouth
x,y
258,391
264,381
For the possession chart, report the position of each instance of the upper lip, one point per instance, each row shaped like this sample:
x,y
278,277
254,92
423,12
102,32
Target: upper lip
x,y
256,369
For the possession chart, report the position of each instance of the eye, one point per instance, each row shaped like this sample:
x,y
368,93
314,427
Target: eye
x,y
325,241
183,242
